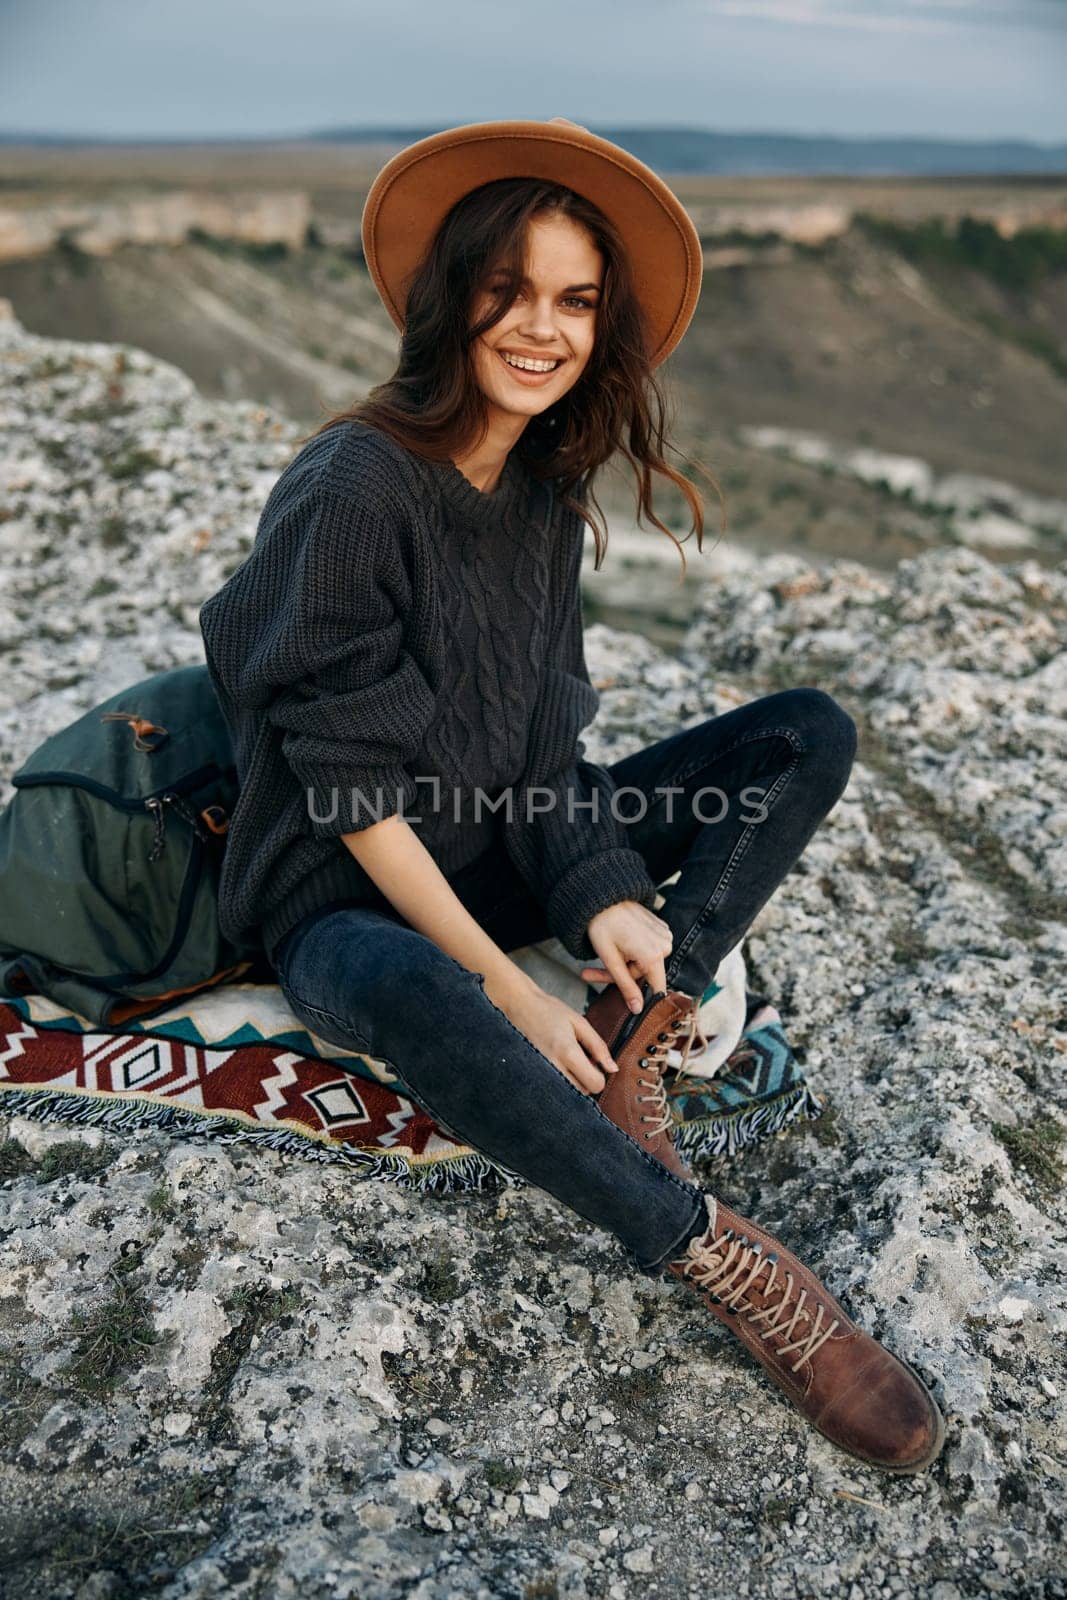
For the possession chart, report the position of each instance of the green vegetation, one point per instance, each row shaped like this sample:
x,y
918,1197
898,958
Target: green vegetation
x,y
1034,1147
252,1308
15,1162
26,1399
824,1128
257,1306
113,1337
545,1588
907,943
439,1280
499,1475
1019,262
112,532
140,1539
265,249
56,450
49,366
251,249
161,1204
1034,340
134,463
813,249
72,255
722,238
102,410
71,1159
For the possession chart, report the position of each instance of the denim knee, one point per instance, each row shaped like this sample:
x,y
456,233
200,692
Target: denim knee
x,y
825,729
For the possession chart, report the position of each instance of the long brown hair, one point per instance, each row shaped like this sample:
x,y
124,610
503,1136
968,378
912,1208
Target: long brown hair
x,y
433,404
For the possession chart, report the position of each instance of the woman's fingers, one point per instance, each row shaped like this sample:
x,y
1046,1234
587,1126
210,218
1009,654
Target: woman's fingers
x,y
581,1071
656,972
619,972
594,1045
654,969
584,1057
600,974
657,968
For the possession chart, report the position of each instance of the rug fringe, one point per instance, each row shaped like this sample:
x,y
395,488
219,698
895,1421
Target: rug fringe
x,y
733,1131
464,1172
467,1171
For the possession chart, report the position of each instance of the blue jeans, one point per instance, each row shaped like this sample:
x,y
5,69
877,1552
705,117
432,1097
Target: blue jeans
x,y
361,976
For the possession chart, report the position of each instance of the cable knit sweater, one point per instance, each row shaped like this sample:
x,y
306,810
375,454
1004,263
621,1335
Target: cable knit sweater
x,y
395,640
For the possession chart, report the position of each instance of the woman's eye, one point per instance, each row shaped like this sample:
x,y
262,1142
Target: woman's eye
x,y
571,300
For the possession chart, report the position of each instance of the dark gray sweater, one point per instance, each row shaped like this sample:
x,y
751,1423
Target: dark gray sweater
x,y
396,639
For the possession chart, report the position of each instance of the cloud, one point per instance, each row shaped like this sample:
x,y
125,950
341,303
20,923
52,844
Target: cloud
x,y
931,68
906,16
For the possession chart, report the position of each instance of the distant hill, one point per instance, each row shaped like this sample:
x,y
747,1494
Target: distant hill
x,y
703,150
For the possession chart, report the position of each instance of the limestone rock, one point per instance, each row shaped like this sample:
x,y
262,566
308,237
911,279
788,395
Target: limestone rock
x,y
315,1423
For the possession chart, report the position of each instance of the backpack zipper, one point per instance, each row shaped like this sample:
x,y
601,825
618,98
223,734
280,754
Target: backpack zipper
x,y
155,804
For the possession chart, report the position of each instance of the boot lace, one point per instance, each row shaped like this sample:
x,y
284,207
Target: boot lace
x,y
729,1266
685,1023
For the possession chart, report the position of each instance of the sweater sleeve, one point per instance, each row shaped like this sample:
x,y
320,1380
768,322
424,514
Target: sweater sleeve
x,y
309,631
572,854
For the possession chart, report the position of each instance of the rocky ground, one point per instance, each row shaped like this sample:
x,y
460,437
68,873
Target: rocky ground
x,y
229,1372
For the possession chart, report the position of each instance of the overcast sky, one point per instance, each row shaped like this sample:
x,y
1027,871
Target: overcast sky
x,y
967,69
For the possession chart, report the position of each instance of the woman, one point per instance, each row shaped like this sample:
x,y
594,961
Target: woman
x,y
410,614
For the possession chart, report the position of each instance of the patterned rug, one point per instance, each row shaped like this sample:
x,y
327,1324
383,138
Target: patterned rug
x,y
232,1063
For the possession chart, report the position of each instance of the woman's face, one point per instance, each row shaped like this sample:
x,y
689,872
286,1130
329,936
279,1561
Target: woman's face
x,y
552,318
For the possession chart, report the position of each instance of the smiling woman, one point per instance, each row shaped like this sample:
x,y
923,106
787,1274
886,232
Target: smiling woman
x,y
412,605
522,327
544,338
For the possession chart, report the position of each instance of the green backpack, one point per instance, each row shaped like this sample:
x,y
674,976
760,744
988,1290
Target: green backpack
x,y
110,853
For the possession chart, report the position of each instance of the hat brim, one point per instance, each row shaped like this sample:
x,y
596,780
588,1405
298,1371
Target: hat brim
x,y
414,191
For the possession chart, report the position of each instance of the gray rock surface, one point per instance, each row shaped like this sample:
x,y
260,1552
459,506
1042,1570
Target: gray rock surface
x,y
231,1372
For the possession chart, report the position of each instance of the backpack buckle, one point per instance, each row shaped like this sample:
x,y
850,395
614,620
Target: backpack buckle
x,y
215,818
146,735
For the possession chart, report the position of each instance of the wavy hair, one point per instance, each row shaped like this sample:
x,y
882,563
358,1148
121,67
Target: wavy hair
x,y
434,406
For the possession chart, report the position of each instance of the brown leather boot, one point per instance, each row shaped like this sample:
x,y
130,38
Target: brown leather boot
x,y
634,1098
865,1400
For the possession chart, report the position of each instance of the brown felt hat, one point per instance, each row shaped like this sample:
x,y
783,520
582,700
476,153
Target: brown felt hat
x,y
413,192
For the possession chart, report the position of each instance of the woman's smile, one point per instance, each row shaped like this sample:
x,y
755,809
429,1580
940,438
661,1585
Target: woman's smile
x,y
525,375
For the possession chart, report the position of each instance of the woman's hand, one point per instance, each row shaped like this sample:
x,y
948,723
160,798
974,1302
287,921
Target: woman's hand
x,y
560,1033
632,942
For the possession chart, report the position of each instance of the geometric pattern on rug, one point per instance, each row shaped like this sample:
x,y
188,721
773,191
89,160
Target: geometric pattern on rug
x,y
339,1109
